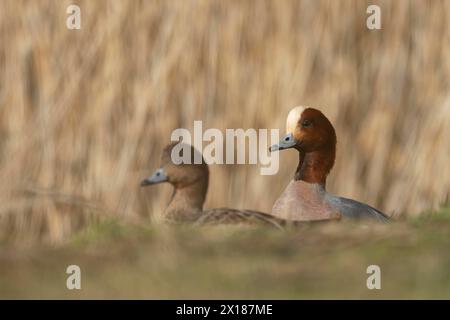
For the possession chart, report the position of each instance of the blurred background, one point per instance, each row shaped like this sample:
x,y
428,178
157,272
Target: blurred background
x,y
85,113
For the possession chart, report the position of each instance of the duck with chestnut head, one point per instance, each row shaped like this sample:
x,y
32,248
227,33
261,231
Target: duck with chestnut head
x,y
305,198
190,186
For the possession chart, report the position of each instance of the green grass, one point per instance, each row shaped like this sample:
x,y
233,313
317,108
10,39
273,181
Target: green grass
x,y
159,261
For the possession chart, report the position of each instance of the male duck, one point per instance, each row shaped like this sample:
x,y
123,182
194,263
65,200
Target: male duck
x,y
305,198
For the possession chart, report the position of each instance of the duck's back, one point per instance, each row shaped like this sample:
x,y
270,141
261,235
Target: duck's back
x,y
235,216
350,208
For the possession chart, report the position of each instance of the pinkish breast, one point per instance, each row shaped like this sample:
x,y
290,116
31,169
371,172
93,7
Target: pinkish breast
x,y
302,201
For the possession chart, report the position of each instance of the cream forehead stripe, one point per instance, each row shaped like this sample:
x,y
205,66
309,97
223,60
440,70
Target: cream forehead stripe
x,y
292,118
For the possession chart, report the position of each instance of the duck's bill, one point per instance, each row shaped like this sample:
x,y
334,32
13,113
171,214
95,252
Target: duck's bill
x,y
157,177
286,142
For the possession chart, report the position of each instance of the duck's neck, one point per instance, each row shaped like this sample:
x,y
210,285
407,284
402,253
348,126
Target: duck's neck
x,y
187,202
315,166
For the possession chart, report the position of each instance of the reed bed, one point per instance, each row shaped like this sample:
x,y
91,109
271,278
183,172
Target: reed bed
x,y
85,113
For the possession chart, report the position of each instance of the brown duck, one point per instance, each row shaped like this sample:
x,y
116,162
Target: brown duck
x,y
190,183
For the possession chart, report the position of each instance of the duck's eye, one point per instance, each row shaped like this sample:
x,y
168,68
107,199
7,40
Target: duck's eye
x,y
306,123
287,138
158,174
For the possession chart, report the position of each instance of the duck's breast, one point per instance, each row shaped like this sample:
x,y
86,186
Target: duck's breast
x,y
302,201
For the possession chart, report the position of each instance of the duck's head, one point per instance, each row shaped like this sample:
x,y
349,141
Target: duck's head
x,y
307,130
180,175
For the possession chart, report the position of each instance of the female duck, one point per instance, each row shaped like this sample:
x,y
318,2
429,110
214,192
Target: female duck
x,y
305,198
190,183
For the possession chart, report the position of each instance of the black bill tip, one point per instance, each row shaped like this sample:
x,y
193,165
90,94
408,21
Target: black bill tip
x,y
145,182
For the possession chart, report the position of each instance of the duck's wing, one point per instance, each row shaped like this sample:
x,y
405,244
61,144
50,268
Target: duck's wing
x,y
234,216
354,209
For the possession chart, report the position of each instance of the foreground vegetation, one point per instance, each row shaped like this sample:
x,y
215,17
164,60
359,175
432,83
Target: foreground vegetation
x,y
84,115
158,261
